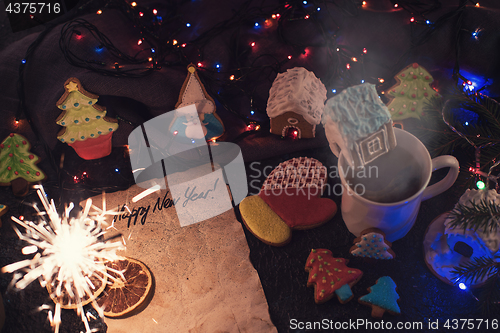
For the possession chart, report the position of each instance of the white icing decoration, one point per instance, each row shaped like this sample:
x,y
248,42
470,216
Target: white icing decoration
x,y
355,115
482,242
300,91
374,245
292,121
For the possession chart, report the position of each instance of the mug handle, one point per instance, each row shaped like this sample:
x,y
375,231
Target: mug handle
x,y
445,183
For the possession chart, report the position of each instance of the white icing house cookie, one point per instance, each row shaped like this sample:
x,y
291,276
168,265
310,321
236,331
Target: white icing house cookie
x,y
358,124
296,102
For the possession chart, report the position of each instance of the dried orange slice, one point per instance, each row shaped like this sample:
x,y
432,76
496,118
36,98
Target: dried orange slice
x,y
128,294
96,284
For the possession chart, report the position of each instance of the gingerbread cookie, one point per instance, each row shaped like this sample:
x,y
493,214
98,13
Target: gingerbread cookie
x,y
382,297
87,129
295,105
411,93
372,244
18,165
358,124
3,210
205,124
330,276
289,199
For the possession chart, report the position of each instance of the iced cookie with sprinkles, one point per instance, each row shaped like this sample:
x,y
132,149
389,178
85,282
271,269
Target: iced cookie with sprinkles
x,y
330,276
382,298
372,244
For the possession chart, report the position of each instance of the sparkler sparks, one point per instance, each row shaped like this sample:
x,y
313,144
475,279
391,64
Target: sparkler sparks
x,y
70,256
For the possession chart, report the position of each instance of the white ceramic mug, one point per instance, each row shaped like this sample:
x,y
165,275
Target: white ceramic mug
x,y
395,219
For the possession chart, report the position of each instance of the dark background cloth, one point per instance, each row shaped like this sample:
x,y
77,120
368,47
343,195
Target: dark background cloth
x,y
388,37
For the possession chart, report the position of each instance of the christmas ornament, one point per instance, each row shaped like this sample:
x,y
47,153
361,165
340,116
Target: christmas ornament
x,y
18,165
87,129
295,104
207,123
411,92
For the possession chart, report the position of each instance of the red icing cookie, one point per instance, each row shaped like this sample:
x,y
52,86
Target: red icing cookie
x,y
291,196
298,209
330,276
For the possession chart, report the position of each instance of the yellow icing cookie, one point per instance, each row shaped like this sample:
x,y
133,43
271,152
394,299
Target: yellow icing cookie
x,y
263,223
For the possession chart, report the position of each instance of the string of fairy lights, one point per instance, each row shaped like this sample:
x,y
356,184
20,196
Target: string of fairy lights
x,y
162,38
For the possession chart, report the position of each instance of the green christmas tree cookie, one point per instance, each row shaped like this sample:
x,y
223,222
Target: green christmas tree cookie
x,y
17,164
411,93
382,297
87,129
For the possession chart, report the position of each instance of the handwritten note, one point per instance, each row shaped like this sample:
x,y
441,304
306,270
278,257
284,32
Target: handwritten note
x,y
194,201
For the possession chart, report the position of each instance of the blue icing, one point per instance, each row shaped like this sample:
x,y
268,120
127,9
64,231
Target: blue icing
x,y
344,292
383,294
214,126
358,110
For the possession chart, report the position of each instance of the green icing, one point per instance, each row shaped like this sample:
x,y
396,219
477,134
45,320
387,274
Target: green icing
x,y
91,129
9,165
344,292
383,294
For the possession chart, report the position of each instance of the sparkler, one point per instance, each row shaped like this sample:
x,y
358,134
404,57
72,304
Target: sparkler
x,y
70,256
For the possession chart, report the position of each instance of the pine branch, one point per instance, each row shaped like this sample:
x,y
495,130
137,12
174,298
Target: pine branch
x,y
477,269
482,216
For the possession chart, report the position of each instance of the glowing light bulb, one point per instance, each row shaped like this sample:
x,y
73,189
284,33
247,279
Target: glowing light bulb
x,y
278,15
273,16
306,17
318,9
338,49
257,127
304,2
174,42
428,22
334,91
133,4
480,185
462,286
363,3
214,140
477,4
354,59
184,45
466,123
176,132
23,61
252,44
289,57
362,81
141,14
150,59
139,42
412,19
381,80
217,65
256,24
99,12
188,25
153,50
231,77
252,112
155,11
348,66
396,5
365,50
